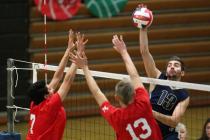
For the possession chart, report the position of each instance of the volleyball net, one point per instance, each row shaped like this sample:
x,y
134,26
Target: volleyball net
x,y
84,121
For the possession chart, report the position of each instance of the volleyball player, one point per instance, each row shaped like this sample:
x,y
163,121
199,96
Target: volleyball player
x,y
168,103
133,120
47,114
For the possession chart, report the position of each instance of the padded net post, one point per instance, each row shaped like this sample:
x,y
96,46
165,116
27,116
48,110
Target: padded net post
x,y
10,101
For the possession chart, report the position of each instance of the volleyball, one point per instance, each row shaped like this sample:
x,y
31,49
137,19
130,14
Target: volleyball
x,y
142,17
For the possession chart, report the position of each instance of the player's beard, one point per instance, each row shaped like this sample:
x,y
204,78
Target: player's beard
x,y
173,75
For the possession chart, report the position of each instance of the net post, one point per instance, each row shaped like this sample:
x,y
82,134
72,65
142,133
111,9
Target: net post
x,y
10,101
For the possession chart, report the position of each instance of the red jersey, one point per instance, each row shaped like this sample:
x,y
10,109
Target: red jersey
x,y
134,122
47,119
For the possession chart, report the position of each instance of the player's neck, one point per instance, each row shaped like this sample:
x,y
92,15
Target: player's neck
x,y
173,78
122,105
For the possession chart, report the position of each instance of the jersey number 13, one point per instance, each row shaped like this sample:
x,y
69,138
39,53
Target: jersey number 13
x,y
145,126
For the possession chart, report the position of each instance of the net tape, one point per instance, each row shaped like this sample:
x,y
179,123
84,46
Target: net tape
x,y
172,84
116,76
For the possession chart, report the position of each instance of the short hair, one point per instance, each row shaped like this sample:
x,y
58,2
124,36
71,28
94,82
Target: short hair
x,y
125,90
176,58
37,91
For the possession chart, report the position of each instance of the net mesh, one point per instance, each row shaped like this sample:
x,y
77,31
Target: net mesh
x,y
83,118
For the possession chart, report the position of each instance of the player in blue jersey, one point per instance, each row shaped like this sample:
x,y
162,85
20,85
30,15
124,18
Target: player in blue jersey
x,y
168,103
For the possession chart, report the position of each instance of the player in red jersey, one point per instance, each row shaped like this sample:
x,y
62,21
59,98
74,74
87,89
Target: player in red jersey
x,y
47,114
134,119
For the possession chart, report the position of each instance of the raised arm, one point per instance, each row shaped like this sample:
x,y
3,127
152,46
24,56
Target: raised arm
x,y
65,86
176,116
68,79
148,60
58,75
95,90
81,61
120,47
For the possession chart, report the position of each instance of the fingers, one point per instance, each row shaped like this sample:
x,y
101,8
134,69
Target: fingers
x,y
85,41
142,6
79,59
80,42
71,32
77,55
78,35
71,44
84,55
121,37
71,35
116,41
72,56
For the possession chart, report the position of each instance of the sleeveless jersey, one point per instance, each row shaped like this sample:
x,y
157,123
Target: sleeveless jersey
x,y
164,100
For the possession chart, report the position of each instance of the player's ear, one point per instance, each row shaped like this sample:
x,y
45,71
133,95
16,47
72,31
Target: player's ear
x,y
182,73
117,98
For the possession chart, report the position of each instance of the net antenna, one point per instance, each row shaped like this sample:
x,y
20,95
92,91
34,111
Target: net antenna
x,y
45,42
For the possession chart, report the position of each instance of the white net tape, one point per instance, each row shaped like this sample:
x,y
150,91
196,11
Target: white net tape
x,y
173,84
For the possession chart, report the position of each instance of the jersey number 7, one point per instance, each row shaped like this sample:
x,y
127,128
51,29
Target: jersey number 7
x,y
32,118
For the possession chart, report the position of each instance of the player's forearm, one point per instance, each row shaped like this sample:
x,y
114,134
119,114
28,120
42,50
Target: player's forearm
x,y
130,67
165,119
68,79
143,41
90,81
58,75
62,65
95,90
148,60
144,49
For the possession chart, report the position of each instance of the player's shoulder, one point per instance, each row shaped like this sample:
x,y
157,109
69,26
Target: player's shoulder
x,y
141,93
108,107
183,94
55,97
162,76
140,90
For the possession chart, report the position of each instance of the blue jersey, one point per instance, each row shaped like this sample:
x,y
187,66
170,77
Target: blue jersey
x,y
164,100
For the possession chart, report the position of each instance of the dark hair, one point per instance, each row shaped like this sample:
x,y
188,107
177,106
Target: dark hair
x,y
176,58
125,90
37,91
204,135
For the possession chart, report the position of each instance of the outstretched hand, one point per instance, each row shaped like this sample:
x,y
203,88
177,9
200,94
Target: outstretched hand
x,y
80,43
71,44
79,59
119,44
